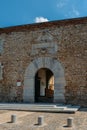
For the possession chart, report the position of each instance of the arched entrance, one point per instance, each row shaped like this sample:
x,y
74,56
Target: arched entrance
x,y
44,85
59,79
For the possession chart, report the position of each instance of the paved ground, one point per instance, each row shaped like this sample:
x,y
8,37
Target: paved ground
x,y
54,121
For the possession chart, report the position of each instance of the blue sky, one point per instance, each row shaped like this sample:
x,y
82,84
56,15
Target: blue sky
x,y
18,12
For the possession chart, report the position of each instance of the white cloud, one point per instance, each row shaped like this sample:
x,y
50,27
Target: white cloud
x,y
73,13
62,3
68,8
41,19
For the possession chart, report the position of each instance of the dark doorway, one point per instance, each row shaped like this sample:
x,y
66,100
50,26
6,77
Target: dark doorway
x,y
37,87
44,85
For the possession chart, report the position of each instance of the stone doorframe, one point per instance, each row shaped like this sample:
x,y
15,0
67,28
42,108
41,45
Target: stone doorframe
x,y
59,79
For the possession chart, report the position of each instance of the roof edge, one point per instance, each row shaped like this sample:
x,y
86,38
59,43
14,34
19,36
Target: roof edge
x,y
35,26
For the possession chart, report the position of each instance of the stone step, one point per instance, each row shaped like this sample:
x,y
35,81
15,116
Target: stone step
x,y
41,107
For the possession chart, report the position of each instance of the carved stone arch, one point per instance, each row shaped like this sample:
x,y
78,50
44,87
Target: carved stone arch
x,y
59,79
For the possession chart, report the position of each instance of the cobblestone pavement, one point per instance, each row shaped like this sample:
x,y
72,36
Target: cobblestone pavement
x,y
53,121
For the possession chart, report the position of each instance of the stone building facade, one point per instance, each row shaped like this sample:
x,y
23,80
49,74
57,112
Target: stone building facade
x,y
44,62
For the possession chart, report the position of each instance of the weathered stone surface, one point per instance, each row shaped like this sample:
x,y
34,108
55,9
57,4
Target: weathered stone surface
x,y
70,39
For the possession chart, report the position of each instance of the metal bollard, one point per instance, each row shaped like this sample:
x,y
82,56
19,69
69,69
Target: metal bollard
x,y
70,122
41,120
13,118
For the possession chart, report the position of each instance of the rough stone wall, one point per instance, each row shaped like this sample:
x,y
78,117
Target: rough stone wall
x,y
71,40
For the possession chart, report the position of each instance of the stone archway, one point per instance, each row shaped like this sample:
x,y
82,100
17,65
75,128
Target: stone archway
x,y
59,79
